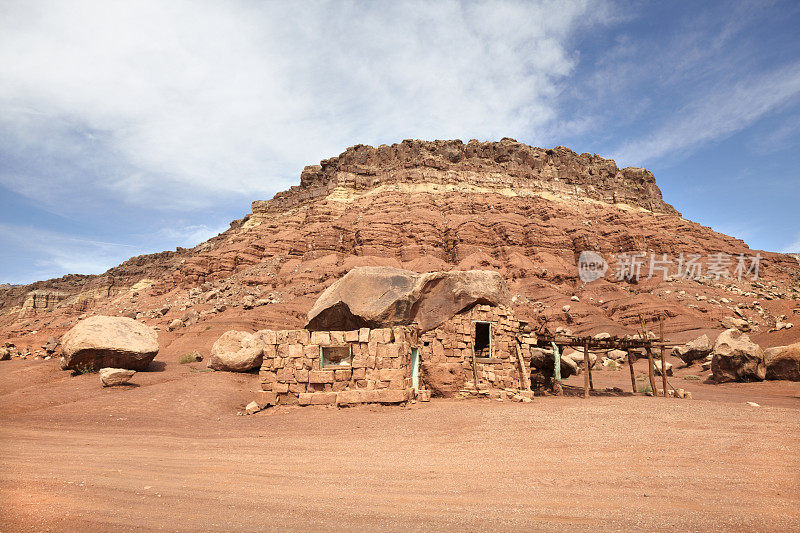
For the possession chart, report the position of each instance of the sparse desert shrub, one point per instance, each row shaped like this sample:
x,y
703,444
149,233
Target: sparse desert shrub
x,y
85,368
190,358
692,378
644,389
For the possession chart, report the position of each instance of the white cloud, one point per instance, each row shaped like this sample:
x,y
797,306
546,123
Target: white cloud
x,y
716,114
793,247
170,104
50,254
189,235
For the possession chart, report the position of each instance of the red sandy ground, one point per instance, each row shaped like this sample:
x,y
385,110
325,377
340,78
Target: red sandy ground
x,y
171,454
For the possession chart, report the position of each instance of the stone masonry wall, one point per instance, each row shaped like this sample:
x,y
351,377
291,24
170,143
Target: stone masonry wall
x,y
446,352
292,371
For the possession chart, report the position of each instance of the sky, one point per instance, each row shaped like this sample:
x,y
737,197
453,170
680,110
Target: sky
x,y
134,127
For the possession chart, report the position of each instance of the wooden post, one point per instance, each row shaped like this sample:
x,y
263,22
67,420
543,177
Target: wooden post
x,y
650,370
526,382
557,369
633,378
474,370
663,350
586,374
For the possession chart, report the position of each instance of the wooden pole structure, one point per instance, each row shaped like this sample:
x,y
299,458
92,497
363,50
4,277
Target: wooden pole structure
x,y
650,370
633,378
586,374
474,369
526,383
557,369
663,350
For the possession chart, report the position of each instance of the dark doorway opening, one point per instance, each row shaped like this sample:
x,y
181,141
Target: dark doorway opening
x,y
483,339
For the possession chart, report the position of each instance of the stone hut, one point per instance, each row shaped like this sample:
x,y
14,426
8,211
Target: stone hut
x,y
384,335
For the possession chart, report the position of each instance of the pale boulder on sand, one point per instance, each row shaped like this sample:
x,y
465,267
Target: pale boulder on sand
x,y
236,351
783,362
115,376
694,350
109,342
737,358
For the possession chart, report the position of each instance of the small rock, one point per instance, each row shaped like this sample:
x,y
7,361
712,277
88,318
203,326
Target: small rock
x,y
175,324
575,298
730,322
620,356
753,404
115,376
657,366
252,408
566,308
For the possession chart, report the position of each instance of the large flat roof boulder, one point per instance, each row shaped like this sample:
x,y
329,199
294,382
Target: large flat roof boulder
x,y
372,297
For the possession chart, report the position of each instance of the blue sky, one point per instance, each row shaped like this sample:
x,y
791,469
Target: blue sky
x,y
134,127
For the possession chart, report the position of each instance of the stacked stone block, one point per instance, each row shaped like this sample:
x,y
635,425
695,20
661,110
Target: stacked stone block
x,y
453,343
292,371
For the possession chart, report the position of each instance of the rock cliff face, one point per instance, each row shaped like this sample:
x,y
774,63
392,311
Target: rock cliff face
x,y
505,166
524,212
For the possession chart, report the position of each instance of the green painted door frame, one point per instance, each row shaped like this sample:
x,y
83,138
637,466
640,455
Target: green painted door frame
x,y
415,369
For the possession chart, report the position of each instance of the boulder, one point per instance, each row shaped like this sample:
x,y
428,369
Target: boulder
x,y
620,356
612,364
115,376
175,324
5,354
543,361
444,380
108,342
783,362
252,408
694,350
374,297
657,367
730,322
190,317
50,346
577,357
737,358
236,351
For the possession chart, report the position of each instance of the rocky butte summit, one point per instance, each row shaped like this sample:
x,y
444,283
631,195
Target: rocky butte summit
x,y
428,206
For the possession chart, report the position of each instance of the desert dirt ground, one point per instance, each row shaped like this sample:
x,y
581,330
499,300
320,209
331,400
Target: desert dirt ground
x,y
171,454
